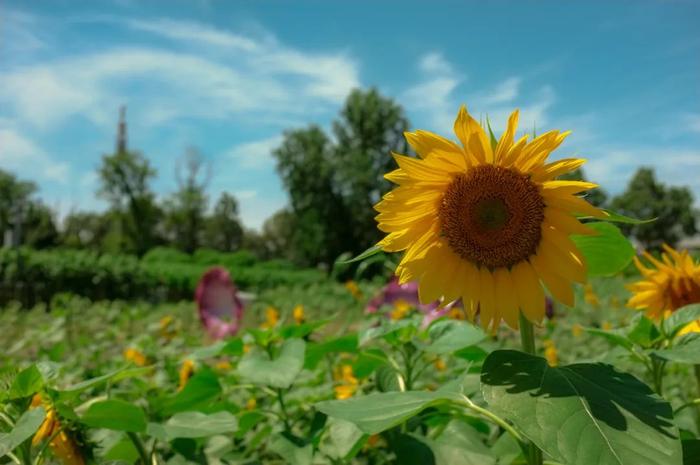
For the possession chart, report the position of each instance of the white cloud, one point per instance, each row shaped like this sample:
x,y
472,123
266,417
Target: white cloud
x,y
21,155
692,123
434,62
265,77
504,92
255,154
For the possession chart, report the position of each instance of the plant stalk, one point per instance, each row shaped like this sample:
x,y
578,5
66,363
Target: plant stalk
x,y
527,340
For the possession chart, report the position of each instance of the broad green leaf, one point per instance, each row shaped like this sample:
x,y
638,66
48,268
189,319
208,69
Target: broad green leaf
x,y
385,328
200,390
25,428
606,253
290,452
194,425
411,450
302,330
691,451
375,249
582,414
447,336
460,444
280,372
27,383
685,350
123,451
116,415
680,318
343,439
378,412
644,332
368,361
506,449
388,379
229,347
315,351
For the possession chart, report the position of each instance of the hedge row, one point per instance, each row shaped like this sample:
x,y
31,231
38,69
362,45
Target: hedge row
x,y
31,276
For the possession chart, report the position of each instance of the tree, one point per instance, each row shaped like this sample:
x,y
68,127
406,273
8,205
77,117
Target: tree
x,y
333,187
86,230
369,129
125,178
644,198
224,231
597,197
15,198
277,232
186,209
304,162
39,229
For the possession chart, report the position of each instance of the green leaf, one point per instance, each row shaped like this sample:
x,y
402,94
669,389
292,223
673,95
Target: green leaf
x,y
582,414
117,375
257,367
229,347
680,318
619,218
614,336
460,444
116,415
492,137
27,383
375,249
368,361
644,332
447,336
607,252
194,425
25,428
411,450
343,439
200,390
685,350
388,379
290,452
378,412
315,352
691,451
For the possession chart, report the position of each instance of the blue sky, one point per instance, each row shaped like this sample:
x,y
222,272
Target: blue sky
x,y
230,77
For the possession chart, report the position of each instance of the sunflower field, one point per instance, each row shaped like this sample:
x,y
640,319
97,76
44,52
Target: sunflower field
x,y
518,326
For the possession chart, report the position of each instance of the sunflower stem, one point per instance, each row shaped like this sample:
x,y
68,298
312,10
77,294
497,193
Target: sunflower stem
x,y
697,380
527,340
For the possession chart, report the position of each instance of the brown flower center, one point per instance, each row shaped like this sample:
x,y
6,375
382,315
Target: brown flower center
x,y
492,216
684,292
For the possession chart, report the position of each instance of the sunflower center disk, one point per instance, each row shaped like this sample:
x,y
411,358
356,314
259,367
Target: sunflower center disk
x,y
492,216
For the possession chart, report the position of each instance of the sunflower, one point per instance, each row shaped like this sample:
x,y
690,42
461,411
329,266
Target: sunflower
x,y
487,224
669,284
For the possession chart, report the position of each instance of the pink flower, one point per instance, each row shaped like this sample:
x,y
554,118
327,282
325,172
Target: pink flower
x,y
220,308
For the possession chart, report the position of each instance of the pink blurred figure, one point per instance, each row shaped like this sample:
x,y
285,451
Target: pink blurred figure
x,y
220,308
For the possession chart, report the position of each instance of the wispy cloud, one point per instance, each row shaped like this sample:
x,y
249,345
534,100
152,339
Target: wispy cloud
x,y
21,155
256,154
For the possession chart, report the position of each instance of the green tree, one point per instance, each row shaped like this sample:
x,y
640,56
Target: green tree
x,y
224,231
277,232
305,164
39,229
185,210
125,178
86,230
333,187
370,127
15,197
597,197
646,197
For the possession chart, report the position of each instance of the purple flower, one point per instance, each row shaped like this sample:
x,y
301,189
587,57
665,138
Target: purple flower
x,y
220,308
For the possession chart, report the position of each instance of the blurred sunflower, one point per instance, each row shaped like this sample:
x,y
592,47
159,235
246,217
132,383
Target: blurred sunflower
x,y
298,314
487,224
669,284
135,356
185,373
347,383
61,440
272,316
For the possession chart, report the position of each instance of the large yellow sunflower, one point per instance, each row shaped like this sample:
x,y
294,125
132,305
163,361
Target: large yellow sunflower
x,y
486,224
671,283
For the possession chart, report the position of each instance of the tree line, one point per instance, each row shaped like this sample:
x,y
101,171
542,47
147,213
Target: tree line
x,y
333,180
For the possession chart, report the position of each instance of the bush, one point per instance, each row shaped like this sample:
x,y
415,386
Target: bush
x,y
32,276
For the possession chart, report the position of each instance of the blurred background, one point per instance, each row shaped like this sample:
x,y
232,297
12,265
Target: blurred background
x,y
141,142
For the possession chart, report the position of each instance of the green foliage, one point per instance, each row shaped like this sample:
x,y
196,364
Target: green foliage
x,y
597,197
672,207
607,252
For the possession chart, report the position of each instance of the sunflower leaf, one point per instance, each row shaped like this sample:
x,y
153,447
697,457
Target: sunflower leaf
x,y
619,218
607,252
375,249
492,137
582,413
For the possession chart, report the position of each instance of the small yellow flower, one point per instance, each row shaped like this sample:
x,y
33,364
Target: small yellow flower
x,y
401,309
272,316
186,372
668,284
348,384
550,353
373,440
62,444
251,404
590,296
577,330
298,314
167,327
133,355
354,289
246,348
440,364
223,365
607,326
